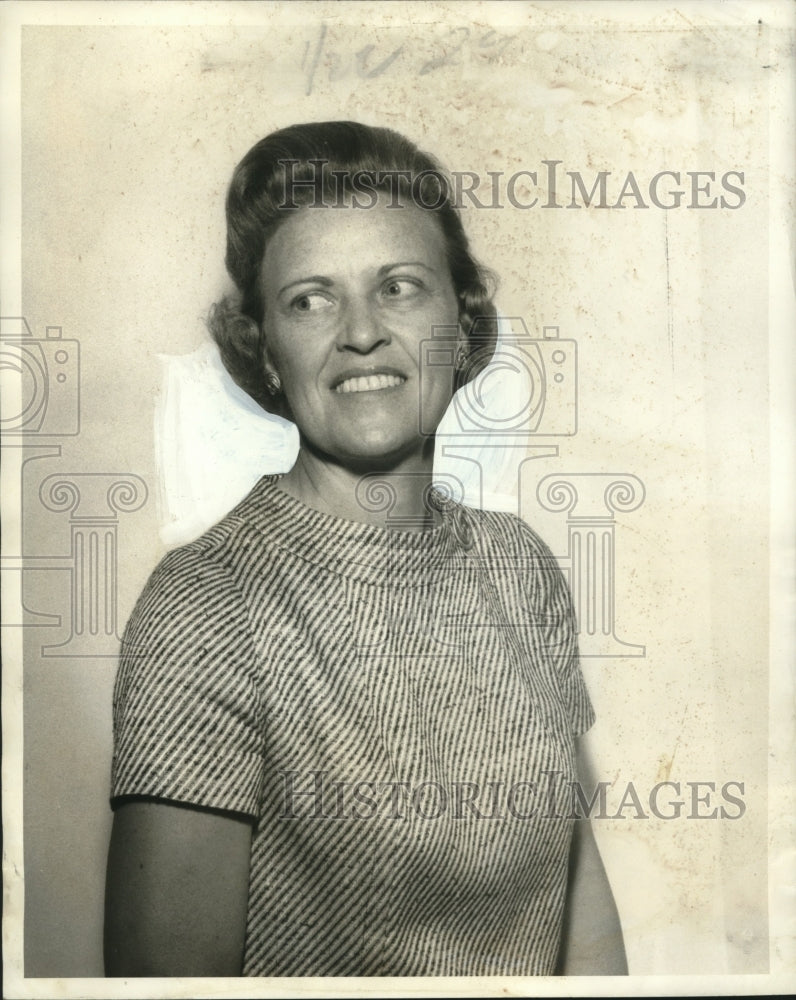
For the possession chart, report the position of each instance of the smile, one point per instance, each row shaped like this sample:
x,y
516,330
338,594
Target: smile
x,y
370,383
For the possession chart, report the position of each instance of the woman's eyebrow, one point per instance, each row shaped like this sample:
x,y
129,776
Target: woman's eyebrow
x,y
406,263
313,279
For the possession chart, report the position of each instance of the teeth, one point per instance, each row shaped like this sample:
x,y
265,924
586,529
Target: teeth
x,y
367,383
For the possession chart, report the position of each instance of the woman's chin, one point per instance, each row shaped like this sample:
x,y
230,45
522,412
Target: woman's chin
x,y
381,452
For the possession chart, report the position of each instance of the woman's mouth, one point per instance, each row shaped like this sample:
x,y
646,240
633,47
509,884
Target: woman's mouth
x,y
370,383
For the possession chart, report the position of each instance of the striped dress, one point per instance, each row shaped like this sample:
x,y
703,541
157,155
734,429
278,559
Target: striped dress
x,y
394,710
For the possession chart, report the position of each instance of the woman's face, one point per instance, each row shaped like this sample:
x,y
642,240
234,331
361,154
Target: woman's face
x,y
350,296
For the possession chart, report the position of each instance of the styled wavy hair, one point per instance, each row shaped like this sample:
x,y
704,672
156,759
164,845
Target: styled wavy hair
x,y
317,164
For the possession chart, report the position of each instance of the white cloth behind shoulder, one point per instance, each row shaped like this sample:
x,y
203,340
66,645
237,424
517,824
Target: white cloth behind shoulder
x,y
213,443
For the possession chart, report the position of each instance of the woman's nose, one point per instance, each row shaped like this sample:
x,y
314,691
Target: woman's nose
x,y
362,328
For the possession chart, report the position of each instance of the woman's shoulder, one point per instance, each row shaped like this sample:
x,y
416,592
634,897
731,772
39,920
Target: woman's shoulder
x,y
242,527
202,573
510,531
520,551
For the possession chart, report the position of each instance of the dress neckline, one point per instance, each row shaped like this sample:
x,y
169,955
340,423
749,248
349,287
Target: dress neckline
x,y
391,555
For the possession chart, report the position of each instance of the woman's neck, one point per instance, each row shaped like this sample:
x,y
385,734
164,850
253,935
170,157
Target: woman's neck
x,y
395,497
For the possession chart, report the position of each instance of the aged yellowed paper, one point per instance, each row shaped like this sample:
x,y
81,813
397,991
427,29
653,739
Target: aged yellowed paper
x,y
626,171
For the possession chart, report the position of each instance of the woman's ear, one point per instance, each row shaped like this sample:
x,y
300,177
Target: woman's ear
x,y
461,354
273,383
265,355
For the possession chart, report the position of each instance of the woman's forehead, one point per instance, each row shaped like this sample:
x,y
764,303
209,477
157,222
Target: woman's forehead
x,y
321,239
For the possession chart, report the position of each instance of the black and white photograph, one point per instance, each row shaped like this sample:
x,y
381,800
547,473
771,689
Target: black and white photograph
x,y
397,490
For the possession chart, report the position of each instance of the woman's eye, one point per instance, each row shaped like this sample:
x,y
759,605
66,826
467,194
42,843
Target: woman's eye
x,y
400,288
310,302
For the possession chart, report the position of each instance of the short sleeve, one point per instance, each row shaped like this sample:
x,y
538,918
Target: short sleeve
x,y
187,714
552,608
562,646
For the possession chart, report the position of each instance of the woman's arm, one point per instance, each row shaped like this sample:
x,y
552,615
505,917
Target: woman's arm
x,y
176,891
591,943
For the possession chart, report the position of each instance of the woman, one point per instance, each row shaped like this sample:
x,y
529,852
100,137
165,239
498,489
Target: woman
x,y
344,716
